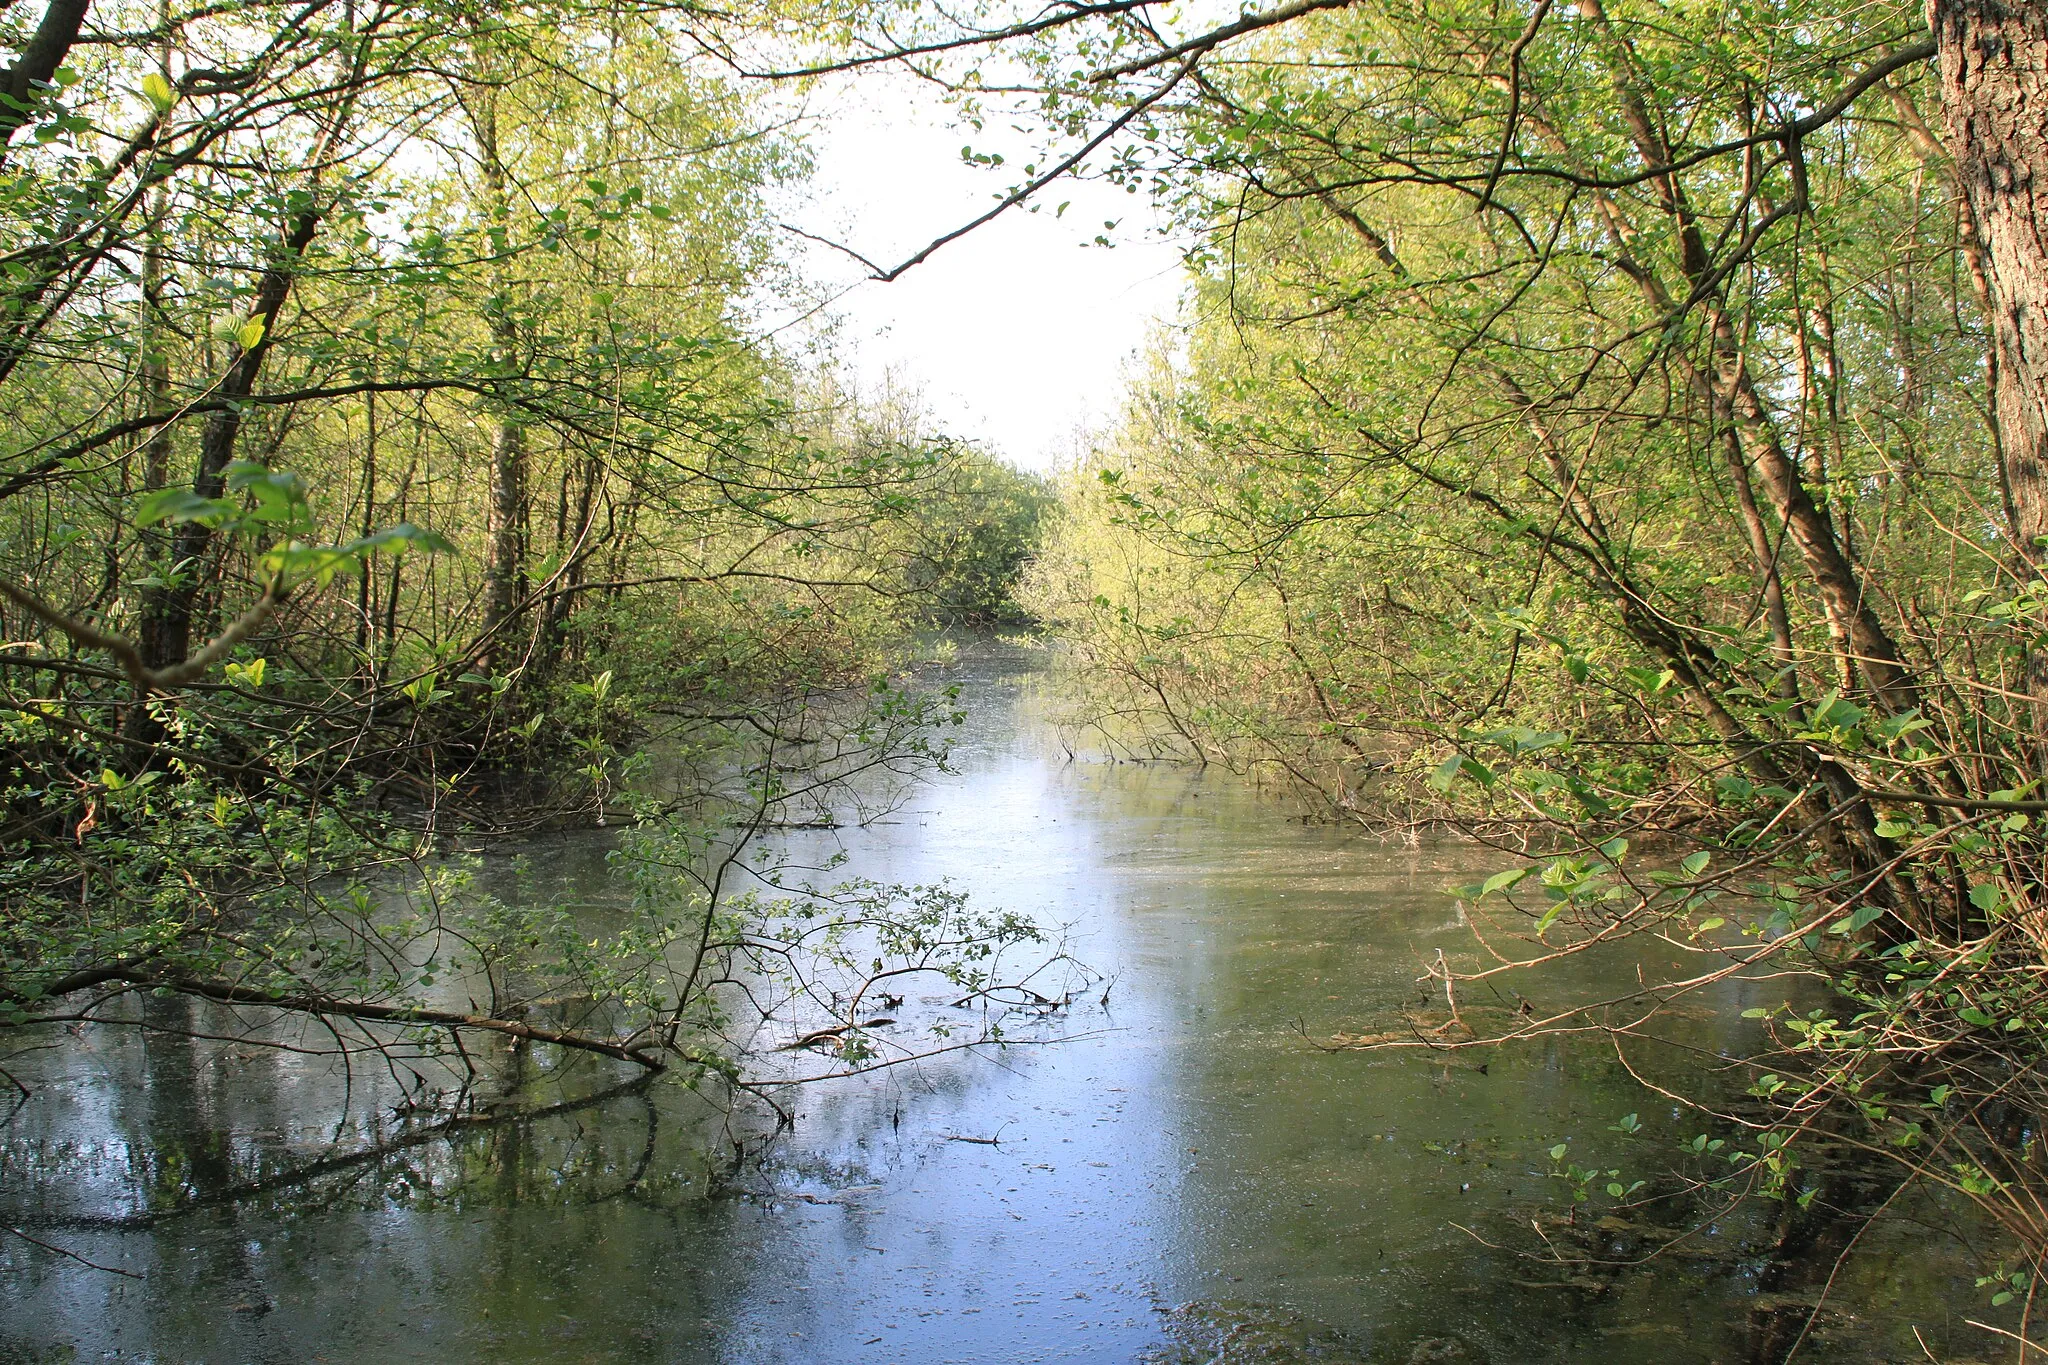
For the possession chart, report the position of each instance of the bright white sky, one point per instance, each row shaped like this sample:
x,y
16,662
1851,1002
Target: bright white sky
x,y
1017,334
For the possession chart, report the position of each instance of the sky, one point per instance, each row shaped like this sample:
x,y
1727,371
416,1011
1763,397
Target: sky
x,y
1018,334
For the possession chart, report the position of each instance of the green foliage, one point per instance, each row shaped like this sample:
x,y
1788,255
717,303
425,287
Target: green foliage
x,y
1557,450
976,527
355,498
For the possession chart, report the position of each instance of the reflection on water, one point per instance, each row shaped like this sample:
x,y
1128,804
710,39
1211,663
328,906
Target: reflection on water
x,y
1186,1179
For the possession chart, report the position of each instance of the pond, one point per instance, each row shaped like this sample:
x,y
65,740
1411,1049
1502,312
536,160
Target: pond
x,y
1184,1175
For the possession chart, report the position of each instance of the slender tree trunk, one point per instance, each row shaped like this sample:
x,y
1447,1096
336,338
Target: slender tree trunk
x,y
1765,554
504,565
1726,382
1869,644
388,646
156,362
169,611
156,358
574,552
365,606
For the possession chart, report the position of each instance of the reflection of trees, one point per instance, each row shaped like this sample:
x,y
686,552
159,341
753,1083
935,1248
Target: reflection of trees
x,y
582,1148
1783,1277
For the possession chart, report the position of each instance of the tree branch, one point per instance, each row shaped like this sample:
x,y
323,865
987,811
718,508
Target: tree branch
x,y
125,652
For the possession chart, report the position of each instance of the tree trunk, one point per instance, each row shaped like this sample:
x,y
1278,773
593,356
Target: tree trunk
x,y
365,603
168,612
1729,385
38,64
504,565
1753,525
1994,93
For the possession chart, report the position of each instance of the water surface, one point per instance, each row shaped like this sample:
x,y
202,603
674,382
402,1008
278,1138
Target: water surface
x,y
1184,1177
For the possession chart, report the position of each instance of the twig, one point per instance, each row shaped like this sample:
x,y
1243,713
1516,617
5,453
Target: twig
x,y
70,1255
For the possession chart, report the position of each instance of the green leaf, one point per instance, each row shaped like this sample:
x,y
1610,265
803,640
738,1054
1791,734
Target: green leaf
x,y
1501,881
249,334
181,504
1835,714
1651,680
249,674
1987,897
1696,863
1446,773
280,495
1970,1014
158,91
295,562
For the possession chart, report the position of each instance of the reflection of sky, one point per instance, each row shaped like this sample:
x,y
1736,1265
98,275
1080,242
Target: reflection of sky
x,y
1042,1248
1189,1145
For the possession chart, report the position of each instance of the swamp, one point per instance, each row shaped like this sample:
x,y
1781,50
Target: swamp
x,y
1451,776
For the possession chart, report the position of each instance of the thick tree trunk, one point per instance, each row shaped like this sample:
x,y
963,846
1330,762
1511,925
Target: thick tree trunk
x,y
1994,92
38,64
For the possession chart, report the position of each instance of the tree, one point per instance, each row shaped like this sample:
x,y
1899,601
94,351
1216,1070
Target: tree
x,y
289,286
1994,86
1576,442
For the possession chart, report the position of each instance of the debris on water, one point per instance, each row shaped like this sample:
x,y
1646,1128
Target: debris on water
x,y
1446,1351
1228,1332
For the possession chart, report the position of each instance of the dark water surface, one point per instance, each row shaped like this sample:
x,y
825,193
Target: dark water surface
x,y
1185,1179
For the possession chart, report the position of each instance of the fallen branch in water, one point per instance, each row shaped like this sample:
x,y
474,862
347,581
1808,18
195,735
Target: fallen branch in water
x,y
319,1006
70,1255
836,1033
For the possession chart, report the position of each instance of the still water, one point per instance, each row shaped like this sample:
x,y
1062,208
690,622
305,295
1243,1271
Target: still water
x,y
1182,1176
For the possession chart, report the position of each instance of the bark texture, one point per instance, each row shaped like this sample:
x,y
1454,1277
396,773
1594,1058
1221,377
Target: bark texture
x,y
1994,92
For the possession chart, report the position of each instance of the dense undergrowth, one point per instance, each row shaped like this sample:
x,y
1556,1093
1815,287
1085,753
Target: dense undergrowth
x,y
1598,432
393,462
